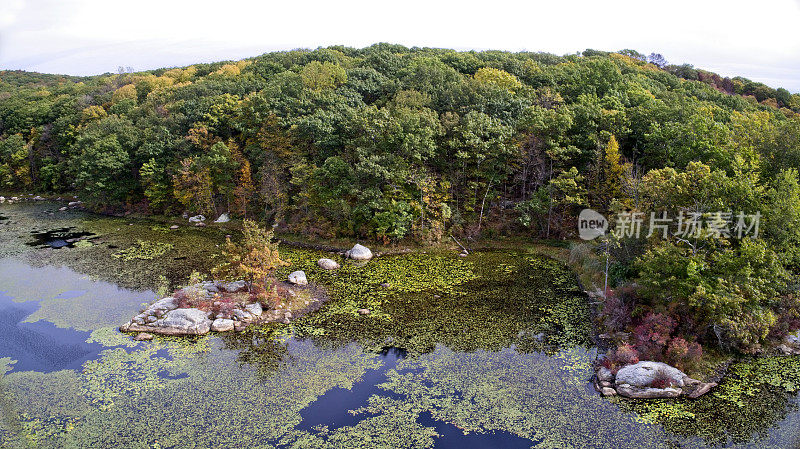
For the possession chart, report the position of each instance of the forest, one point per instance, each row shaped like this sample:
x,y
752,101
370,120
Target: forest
x,y
393,144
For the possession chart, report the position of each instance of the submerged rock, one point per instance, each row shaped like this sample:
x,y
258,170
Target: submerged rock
x,y
298,277
359,252
144,336
701,389
328,264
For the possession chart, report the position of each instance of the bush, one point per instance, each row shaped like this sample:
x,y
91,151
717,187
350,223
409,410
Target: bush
x,y
615,359
618,307
254,259
682,354
653,333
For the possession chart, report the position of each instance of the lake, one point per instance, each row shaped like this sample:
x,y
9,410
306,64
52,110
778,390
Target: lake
x,y
491,350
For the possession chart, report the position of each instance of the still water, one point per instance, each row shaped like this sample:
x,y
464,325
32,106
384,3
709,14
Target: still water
x,y
491,351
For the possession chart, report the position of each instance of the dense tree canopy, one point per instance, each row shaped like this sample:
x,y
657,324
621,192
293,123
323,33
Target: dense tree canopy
x,y
388,142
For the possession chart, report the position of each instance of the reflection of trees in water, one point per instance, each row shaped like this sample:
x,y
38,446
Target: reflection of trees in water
x,y
260,347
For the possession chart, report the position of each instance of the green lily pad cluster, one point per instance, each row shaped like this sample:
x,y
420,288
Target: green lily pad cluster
x,y
144,250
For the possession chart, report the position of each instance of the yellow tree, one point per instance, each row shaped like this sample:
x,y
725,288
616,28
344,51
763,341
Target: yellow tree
x,y
611,172
244,189
192,186
500,78
254,259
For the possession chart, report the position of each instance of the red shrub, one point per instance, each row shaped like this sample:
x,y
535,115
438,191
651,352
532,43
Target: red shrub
x,y
615,359
617,308
661,380
653,333
683,354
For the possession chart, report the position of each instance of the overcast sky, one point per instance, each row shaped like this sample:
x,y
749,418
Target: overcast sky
x,y
759,40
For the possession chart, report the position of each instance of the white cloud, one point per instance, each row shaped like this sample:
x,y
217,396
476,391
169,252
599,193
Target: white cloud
x,y
94,36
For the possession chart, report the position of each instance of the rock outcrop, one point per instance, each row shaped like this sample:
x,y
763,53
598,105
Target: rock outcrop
x,y
226,306
174,322
649,380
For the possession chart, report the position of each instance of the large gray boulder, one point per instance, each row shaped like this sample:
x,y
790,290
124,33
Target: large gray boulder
x,y
298,277
643,374
185,322
255,309
163,305
224,218
359,252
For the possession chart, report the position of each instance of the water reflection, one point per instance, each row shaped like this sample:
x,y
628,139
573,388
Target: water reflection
x,y
40,346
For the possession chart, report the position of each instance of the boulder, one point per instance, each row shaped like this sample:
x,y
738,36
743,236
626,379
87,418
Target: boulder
x,y
643,374
175,322
605,375
163,305
74,203
185,322
328,264
607,391
232,287
144,336
242,315
363,311
224,218
298,277
359,252
630,391
62,209
222,325
254,309
38,198
174,227
197,219
793,339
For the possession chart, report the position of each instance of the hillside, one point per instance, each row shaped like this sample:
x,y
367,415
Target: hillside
x,y
383,142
